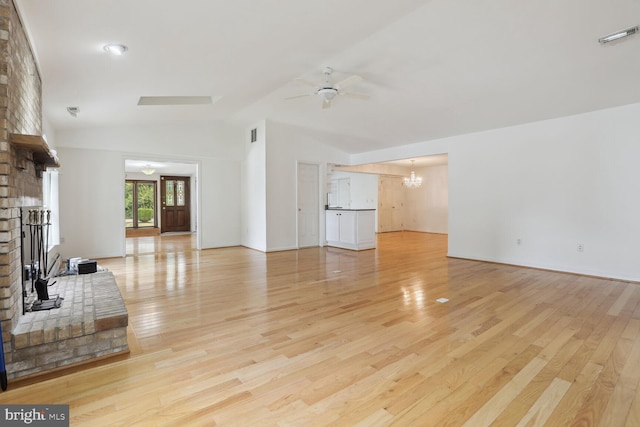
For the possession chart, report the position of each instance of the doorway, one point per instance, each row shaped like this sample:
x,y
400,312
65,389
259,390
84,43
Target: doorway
x,y
175,199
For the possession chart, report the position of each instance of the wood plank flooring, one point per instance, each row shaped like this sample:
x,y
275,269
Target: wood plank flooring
x,y
329,337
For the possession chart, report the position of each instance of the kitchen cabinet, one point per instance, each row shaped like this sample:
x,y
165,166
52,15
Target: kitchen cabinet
x,y
351,228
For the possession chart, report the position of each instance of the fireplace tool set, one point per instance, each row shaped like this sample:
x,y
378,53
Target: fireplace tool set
x,y
39,221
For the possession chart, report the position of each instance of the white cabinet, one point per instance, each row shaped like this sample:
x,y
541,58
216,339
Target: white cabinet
x,y
351,229
332,228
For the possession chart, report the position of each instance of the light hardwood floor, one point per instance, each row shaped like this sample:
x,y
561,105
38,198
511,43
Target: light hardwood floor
x,y
324,336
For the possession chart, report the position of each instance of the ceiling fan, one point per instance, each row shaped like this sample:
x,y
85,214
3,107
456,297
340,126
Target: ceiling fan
x,y
327,91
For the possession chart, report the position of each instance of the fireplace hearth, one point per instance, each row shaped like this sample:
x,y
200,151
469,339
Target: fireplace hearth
x,y
91,324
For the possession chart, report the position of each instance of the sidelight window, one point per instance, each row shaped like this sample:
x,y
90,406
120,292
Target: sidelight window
x,y
140,204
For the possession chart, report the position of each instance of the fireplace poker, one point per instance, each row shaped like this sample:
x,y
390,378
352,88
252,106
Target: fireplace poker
x,y
46,241
33,248
39,244
23,236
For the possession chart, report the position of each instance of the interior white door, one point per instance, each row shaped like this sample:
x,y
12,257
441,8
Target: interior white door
x,y
308,205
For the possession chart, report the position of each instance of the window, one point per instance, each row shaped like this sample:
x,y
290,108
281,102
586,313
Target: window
x,y
50,202
140,204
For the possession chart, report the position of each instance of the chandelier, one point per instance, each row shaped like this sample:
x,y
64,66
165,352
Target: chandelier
x,y
413,181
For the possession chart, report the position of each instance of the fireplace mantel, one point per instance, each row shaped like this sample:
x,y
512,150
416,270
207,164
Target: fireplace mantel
x,y
43,156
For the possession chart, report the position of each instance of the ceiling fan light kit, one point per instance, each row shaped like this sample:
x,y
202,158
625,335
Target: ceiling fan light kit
x,y
327,93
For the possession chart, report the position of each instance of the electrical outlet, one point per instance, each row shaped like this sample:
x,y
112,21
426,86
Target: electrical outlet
x,y
580,247
519,242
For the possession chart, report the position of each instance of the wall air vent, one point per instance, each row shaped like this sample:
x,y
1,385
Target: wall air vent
x,y
254,135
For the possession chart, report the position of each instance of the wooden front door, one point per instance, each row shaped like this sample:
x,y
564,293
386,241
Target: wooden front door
x,y
175,201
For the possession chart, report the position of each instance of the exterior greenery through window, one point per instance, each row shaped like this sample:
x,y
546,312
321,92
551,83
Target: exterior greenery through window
x,y
140,204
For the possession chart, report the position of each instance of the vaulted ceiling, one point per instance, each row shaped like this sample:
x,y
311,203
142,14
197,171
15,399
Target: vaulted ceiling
x,y
432,68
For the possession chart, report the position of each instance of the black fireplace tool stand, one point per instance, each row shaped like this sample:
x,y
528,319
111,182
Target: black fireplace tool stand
x,y
39,221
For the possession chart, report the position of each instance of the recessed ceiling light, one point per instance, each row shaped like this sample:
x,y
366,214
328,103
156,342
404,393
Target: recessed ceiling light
x,y
618,35
115,49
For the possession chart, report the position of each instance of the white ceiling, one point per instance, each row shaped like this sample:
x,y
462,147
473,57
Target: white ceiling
x,y
433,68
160,167
419,162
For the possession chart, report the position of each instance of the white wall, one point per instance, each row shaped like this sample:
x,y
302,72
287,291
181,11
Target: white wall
x,y
553,184
49,132
286,145
426,207
220,202
254,188
92,182
91,203
193,140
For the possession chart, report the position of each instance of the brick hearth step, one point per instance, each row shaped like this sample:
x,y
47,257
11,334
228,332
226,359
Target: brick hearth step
x,y
91,323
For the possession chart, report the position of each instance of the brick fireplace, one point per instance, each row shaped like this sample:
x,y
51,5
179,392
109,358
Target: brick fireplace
x,y
93,319
20,113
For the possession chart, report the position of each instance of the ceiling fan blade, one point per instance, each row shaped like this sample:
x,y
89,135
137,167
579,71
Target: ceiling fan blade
x,y
307,82
326,104
356,95
300,96
348,82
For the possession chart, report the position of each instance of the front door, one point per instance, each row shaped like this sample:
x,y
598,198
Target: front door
x,y
175,201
